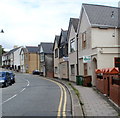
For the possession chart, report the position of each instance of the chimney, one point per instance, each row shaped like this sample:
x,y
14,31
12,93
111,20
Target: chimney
x,y
15,46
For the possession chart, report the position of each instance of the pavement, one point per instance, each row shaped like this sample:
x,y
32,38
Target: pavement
x,y
93,104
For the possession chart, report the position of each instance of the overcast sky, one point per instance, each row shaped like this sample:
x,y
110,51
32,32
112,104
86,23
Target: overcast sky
x,y
29,22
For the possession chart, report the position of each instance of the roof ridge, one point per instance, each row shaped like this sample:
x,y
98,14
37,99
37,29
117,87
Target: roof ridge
x,y
99,5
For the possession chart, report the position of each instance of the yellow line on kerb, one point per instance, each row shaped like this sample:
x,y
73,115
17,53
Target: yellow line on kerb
x,y
62,89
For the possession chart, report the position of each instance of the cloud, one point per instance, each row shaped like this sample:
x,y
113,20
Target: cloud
x,y
29,22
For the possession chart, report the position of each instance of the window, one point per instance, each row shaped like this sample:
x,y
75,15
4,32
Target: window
x,y
117,62
56,53
56,70
61,52
22,56
72,45
72,69
42,57
83,40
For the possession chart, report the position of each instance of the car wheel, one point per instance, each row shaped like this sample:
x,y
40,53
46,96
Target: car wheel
x,y
5,84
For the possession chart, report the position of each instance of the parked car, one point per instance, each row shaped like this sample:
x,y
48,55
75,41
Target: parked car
x,y
12,76
36,72
5,79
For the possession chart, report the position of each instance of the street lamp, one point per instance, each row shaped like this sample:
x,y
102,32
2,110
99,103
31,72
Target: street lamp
x,y
2,31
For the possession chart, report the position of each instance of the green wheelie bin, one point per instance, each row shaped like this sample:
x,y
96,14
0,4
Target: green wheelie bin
x,y
79,80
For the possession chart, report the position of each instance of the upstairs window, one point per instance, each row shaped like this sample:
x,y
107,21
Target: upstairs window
x,y
83,40
117,62
56,53
72,45
61,52
41,57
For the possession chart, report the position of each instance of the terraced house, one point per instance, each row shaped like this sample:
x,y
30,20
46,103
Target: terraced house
x,y
11,59
29,59
98,39
56,56
45,50
72,48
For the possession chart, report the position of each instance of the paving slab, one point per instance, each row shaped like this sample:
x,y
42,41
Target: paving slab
x,y
94,104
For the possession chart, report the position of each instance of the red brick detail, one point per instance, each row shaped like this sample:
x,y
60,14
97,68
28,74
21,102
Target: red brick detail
x,y
100,85
50,74
115,92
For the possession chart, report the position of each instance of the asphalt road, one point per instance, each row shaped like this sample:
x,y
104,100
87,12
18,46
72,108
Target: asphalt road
x,y
33,95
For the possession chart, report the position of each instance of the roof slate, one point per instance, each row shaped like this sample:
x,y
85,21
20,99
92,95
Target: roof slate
x,y
47,47
12,51
63,36
74,22
99,15
32,49
57,38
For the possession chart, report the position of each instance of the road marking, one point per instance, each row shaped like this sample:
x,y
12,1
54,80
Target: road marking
x,y
65,102
63,91
60,104
16,94
28,83
22,90
9,98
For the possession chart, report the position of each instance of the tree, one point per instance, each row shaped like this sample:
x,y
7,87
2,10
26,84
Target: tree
x,y
3,51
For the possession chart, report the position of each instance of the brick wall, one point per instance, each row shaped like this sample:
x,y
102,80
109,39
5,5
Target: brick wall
x,y
49,74
115,93
100,85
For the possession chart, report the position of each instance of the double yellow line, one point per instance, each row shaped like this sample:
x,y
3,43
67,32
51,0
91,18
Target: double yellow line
x,y
63,92
63,99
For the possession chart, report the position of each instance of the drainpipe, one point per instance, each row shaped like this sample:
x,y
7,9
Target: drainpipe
x,y
77,55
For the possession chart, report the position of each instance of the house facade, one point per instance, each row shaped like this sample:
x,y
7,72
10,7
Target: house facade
x,y
11,59
46,59
23,60
72,48
97,39
16,59
30,57
63,55
56,56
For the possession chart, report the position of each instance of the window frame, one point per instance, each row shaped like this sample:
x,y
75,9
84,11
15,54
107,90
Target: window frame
x,y
72,41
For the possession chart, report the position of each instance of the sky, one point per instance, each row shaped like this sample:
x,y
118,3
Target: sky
x,y
29,22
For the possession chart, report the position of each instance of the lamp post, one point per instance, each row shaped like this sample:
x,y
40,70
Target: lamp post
x,y
1,50
2,31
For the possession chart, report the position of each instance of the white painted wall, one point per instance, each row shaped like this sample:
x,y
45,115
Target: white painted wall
x,y
72,55
17,57
56,62
100,44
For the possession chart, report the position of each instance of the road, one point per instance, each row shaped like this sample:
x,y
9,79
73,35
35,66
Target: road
x,y
33,95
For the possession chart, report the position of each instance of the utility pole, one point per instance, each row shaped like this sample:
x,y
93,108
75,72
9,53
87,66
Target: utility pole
x,y
77,56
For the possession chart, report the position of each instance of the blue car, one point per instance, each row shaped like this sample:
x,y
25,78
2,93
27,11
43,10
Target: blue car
x,y
12,76
5,79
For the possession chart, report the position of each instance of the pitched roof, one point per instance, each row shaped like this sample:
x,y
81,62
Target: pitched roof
x,y
63,37
24,50
47,47
57,38
74,22
100,15
32,49
11,51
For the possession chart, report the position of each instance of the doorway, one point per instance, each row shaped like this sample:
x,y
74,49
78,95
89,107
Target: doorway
x,y
94,66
